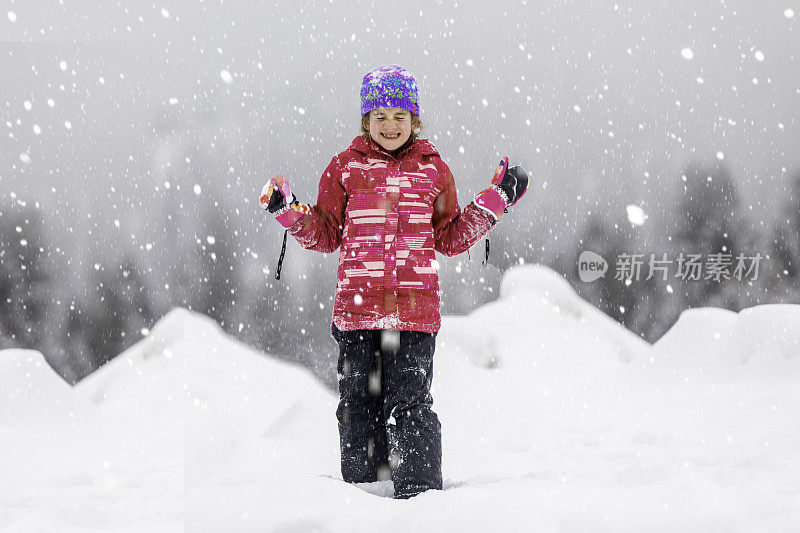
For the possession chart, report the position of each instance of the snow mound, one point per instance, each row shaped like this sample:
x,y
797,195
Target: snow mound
x,y
154,365
539,317
767,332
34,397
532,281
228,403
185,408
716,342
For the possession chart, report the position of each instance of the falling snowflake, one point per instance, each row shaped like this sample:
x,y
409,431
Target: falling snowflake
x,y
636,215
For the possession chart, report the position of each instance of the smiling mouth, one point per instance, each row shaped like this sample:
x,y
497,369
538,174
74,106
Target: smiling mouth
x,y
395,136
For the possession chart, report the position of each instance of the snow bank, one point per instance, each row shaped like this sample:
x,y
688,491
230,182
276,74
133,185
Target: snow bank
x,y
34,397
227,403
66,466
766,332
554,418
186,409
539,318
715,343
539,392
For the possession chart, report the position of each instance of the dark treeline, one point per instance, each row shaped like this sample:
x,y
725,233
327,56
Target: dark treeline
x,y
209,270
757,264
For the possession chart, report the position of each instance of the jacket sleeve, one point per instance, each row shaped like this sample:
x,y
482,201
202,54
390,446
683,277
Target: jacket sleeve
x,y
455,231
321,228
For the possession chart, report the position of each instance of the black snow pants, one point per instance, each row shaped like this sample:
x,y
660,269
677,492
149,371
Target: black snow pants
x,y
387,428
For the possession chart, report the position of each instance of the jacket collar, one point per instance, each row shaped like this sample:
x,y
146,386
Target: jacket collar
x,y
365,145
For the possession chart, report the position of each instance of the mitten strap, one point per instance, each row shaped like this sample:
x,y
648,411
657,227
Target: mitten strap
x,y
280,259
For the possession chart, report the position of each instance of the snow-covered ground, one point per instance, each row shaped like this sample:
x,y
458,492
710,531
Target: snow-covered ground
x,y
554,419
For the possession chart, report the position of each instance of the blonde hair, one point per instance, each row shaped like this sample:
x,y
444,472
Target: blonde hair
x,y
416,125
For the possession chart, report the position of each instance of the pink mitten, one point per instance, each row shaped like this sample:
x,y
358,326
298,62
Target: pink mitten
x,y
277,198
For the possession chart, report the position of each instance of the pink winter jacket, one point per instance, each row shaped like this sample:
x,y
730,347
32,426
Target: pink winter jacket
x,y
388,214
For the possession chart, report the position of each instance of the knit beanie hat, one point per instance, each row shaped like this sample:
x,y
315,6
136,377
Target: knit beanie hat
x,y
389,86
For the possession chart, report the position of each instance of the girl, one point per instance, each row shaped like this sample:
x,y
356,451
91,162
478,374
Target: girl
x,y
389,201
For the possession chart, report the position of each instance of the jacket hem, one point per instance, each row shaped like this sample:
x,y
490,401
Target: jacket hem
x,y
389,322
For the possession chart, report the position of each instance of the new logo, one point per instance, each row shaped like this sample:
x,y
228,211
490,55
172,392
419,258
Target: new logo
x,y
591,266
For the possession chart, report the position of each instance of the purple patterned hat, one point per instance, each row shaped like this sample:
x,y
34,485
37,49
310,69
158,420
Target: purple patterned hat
x,y
389,86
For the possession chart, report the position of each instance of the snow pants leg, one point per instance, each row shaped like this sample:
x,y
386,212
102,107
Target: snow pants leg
x,y
414,431
362,427
385,410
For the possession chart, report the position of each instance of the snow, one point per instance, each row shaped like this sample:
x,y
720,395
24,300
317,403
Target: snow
x,y
636,215
555,418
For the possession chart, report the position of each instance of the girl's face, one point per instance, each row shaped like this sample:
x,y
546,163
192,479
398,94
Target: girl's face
x,y
390,127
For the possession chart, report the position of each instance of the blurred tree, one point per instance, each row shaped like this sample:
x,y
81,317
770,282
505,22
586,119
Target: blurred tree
x,y
650,316
707,223
75,344
783,274
105,321
25,279
215,289
111,318
614,297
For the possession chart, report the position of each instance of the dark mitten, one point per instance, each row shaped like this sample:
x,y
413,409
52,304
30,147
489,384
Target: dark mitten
x,y
277,201
514,183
